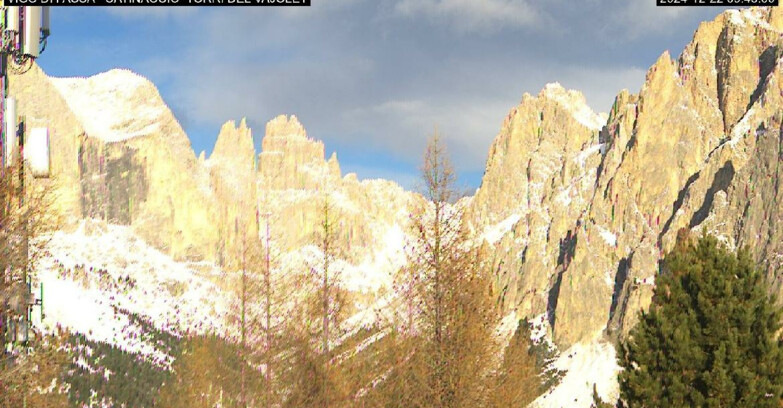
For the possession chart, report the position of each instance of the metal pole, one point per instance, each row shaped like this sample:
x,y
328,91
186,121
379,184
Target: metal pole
x,y
3,93
25,232
268,288
30,24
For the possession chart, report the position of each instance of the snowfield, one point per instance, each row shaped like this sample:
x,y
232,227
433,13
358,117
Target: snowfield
x,y
96,275
585,365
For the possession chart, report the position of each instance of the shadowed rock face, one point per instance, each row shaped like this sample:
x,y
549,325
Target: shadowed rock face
x,y
112,182
699,147
119,155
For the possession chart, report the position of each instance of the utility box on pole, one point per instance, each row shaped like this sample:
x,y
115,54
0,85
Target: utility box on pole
x,y
12,19
32,31
45,28
36,152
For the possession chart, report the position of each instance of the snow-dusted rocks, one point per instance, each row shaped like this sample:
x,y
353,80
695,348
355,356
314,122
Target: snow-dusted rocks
x,y
113,106
539,180
698,147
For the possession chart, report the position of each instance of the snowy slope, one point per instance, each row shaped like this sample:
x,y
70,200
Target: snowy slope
x,y
114,105
585,365
96,275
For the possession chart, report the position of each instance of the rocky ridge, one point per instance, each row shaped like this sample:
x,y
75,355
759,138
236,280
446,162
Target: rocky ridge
x,y
119,155
699,147
578,208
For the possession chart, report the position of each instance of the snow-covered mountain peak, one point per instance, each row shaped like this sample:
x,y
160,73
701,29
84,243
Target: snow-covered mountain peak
x,y
574,101
113,106
754,16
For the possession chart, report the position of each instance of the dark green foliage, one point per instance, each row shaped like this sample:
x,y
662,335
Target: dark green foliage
x,y
709,338
134,381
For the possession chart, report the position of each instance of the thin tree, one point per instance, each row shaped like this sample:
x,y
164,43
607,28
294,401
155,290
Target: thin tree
x,y
243,302
247,268
272,306
310,377
455,313
268,315
332,300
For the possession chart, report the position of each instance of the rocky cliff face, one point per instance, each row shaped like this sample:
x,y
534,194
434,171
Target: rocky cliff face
x,y
539,182
119,155
699,147
578,207
295,180
232,170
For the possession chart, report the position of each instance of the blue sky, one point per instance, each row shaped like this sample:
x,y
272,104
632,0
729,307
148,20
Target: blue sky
x,y
373,78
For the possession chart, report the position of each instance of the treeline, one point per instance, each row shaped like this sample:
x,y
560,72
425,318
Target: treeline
x,y
435,345
711,337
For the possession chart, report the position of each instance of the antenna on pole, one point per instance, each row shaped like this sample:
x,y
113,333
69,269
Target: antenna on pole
x,y
24,31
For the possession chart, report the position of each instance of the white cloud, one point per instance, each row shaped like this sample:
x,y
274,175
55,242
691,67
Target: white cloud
x,y
381,75
398,106
471,15
402,127
643,17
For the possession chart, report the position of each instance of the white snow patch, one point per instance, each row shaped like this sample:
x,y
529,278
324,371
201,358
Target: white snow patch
x,y
367,317
375,272
753,16
609,237
608,279
575,103
585,365
564,197
584,154
108,104
507,326
650,280
494,233
540,329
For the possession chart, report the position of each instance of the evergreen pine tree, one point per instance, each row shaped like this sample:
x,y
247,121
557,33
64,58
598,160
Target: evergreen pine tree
x,y
709,338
